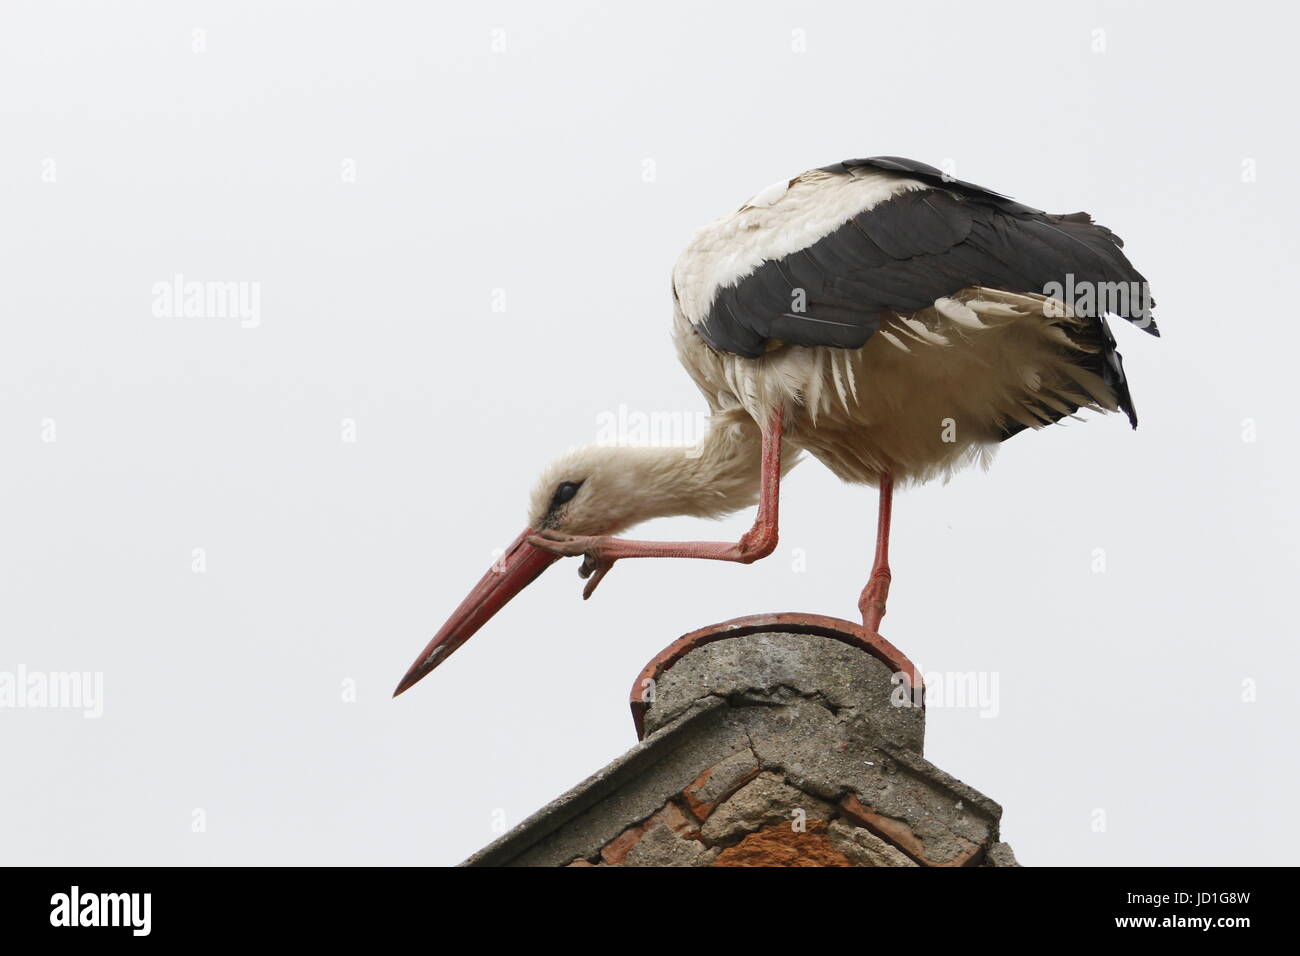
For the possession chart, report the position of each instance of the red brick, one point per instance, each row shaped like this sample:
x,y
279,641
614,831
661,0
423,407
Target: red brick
x,y
739,771
670,815
701,810
616,850
780,845
900,834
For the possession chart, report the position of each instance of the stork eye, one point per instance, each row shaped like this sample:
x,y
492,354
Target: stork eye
x,y
565,493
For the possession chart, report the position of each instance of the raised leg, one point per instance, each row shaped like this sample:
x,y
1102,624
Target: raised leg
x,y
874,595
758,542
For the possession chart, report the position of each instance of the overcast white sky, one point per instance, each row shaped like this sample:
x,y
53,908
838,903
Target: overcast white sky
x,y
379,170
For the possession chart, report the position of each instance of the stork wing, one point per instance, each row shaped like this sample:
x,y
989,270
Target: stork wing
x,y
903,254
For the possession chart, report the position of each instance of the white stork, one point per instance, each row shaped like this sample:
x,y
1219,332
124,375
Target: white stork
x,y
891,321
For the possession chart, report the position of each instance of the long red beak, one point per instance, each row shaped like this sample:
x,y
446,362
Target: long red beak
x,y
516,569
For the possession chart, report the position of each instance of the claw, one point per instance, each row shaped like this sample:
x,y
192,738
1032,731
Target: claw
x,y
593,567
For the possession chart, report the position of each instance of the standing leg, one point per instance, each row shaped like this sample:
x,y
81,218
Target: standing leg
x,y
872,602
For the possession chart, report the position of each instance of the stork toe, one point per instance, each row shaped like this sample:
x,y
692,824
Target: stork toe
x,y
565,545
595,568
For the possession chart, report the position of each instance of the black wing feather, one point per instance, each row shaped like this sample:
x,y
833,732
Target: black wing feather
x,y
906,252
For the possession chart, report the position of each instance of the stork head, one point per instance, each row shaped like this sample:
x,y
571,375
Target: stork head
x,y
588,491
599,489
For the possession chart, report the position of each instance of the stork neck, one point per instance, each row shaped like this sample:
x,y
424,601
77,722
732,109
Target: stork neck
x,y
715,477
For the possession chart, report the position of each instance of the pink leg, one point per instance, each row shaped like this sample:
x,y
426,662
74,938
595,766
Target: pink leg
x,y
872,602
758,542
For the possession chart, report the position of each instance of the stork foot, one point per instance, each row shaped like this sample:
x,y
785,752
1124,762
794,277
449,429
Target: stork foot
x,y
565,545
872,601
595,564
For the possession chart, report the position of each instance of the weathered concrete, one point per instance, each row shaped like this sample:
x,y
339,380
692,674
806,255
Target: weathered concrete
x,y
765,801
717,783
772,669
864,848
845,632
662,847
767,748
1000,854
